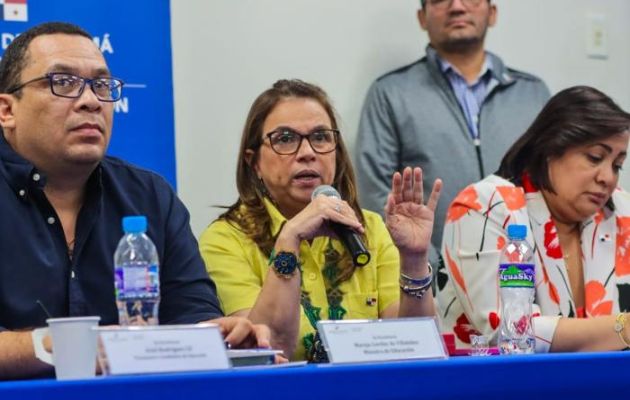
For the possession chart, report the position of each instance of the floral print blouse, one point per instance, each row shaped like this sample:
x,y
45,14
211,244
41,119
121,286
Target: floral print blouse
x,y
475,233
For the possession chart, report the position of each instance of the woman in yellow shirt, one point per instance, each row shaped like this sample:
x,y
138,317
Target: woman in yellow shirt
x,y
273,254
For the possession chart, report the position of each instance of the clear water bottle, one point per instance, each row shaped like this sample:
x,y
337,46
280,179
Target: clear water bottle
x,y
137,275
516,283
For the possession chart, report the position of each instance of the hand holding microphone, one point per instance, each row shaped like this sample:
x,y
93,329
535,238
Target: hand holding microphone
x,y
323,216
350,238
408,219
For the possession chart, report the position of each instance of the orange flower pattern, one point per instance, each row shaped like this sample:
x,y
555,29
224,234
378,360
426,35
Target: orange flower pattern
x,y
463,329
622,256
466,200
552,243
514,197
500,242
456,274
553,291
595,294
494,320
475,232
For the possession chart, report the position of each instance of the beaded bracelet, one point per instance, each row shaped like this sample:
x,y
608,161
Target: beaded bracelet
x,y
409,281
416,287
417,293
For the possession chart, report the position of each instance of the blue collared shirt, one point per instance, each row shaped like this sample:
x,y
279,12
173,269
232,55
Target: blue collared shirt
x,y
34,260
470,96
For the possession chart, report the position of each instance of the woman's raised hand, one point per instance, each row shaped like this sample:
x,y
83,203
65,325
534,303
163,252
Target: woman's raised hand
x,y
408,219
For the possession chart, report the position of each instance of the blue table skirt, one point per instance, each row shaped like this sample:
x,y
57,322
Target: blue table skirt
x,y
532,377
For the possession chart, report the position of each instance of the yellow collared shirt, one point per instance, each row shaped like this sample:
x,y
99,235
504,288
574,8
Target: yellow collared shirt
x,y
239,269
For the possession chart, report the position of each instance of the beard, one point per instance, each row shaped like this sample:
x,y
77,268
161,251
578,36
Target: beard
x,y
461,45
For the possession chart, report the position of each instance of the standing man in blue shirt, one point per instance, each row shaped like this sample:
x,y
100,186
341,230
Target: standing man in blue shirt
x,y
62,200
454,112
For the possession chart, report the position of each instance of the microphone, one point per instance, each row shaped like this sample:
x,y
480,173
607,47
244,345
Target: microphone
x,y
350,239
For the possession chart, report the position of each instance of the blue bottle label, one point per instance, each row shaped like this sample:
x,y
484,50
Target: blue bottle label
x,y
516,275
137,282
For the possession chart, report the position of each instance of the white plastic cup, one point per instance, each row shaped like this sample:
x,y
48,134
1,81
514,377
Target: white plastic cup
x,y
74,346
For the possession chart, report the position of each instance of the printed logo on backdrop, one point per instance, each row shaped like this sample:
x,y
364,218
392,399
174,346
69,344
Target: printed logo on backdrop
x,y
14,10
137,50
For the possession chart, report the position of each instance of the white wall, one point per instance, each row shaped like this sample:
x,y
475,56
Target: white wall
x,y
225,52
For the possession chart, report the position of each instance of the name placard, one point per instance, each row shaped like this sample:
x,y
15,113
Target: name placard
x,y
357,341
166,348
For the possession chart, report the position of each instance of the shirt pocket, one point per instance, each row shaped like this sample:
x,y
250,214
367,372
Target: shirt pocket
x,y
361,305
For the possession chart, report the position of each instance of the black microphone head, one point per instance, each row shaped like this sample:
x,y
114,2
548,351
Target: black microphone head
x,y
351,240
326,190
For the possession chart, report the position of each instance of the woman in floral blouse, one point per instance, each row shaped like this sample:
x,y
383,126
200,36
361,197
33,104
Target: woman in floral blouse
x,y
560,179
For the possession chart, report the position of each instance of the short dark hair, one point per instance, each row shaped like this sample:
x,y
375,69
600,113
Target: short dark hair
x,y
15,56
573,117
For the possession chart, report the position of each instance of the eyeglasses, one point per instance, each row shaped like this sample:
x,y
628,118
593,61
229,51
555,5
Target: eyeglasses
x,y
72,86
286,141
444,4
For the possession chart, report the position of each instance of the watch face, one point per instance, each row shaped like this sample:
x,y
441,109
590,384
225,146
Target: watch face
x,y
285,263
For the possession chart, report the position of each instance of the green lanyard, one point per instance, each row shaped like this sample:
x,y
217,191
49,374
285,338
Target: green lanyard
x,y
315,351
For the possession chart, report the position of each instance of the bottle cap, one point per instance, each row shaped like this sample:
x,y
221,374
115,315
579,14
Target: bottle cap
x,y
134,224
516,231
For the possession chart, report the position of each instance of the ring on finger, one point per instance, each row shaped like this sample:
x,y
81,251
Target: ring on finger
x,y
338,207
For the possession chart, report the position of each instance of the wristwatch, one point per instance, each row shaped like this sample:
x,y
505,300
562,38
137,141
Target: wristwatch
x,y
284,263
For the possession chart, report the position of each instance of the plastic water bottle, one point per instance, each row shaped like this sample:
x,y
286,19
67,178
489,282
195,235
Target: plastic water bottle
x,y
137,277
516,283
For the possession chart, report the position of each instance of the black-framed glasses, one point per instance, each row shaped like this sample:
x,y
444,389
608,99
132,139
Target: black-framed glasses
x,y
287,141
444,4
71,86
